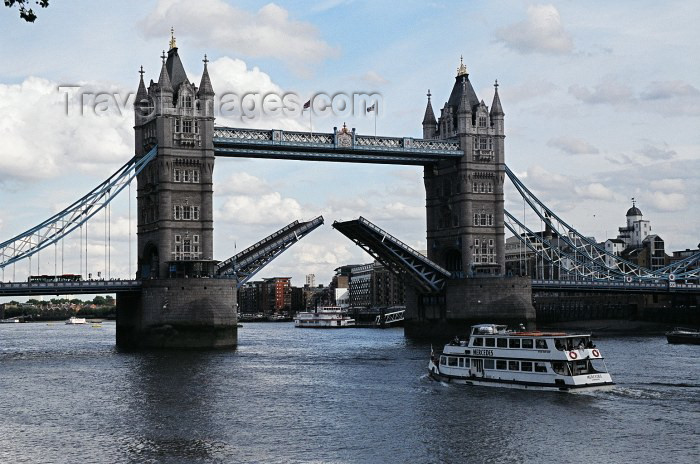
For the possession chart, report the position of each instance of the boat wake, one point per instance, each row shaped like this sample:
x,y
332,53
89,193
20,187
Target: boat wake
x,y
634,393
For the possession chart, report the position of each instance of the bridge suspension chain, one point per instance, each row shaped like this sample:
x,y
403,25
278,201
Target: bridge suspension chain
x,y
74,216
614,265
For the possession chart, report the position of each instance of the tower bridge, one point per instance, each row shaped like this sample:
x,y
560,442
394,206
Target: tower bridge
x,y
181,296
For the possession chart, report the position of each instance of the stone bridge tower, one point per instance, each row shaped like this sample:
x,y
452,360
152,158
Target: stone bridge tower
x,y
464,199
181,303
465,228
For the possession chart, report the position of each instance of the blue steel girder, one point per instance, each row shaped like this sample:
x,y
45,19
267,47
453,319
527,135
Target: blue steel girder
x,y
251,260
685,269
394,254
572,263
68,288
582,245
63,223
341,146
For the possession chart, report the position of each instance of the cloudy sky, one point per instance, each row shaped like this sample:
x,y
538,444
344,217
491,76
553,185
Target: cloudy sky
x,y
602,103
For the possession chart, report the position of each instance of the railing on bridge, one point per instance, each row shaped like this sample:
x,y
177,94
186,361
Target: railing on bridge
x,y
251,260
390,318
337,146
394,254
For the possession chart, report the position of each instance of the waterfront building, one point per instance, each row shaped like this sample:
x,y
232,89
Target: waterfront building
x,y
636,243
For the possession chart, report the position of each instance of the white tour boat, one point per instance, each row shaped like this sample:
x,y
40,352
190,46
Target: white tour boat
x,y
496,357
327,317
76,320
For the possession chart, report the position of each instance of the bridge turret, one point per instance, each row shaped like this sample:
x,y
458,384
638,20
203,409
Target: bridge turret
x,y
164,93
429,122
206,91
497,111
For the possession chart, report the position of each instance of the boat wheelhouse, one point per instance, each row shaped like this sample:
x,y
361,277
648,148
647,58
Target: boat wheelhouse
x,y
327,317
492,355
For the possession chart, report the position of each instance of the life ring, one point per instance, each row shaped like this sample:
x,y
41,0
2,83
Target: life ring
x,y
595,353
573,354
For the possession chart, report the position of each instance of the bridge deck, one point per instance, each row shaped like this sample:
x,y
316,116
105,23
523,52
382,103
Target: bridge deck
x,y
614,286
68,288
336,146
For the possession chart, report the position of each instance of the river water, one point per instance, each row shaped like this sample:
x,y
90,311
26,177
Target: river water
x,y
323,396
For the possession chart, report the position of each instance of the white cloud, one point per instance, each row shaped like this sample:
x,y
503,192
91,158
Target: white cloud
x,y
661,201
594,191
669,89
609,92
270,208
41,141
572,145
241,183
269,32
372,77
668,185
541,32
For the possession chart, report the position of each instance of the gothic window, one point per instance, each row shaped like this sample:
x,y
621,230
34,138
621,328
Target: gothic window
x,y
177,212
475,188
195,213
187,126
177,124
176,175
186,216
483,219
187,101
186,175
476,242
178,238
483,143
490,219
195,176
196,127
482,121
482,188
490,242
195,238
187,246
490,187
476,219
490,141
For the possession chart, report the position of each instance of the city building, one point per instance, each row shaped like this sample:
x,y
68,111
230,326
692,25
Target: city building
x,y
636,243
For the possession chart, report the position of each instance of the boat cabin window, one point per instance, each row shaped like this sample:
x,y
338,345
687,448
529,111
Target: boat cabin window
x,y
452,361
513,366
540,367
527,343
501,364
502,342
478,341
443,360
541,344
490,341
526,366
559,367
461,362
558,344
514,343
488,363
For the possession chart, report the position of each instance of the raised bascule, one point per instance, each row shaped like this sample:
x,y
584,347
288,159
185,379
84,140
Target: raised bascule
x,y
183,297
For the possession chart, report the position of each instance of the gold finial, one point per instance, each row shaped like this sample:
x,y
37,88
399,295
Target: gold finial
x,y
172,38
462,70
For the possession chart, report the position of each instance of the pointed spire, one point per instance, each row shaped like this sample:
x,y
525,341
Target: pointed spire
x,y
496,108
141,92
164,79
429,118
205,88
173,44
465,105
462,70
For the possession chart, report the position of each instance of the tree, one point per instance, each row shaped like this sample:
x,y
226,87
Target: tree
x,y
26,13
99,300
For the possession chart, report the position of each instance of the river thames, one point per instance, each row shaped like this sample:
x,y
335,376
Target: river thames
x,y
345,396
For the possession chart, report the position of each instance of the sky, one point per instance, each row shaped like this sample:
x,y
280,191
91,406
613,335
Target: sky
x,y
601,102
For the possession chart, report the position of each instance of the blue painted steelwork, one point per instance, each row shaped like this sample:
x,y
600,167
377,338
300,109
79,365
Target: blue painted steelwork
x,y
63,223
636,286
68,288
341,146
251,260
394,254
580,244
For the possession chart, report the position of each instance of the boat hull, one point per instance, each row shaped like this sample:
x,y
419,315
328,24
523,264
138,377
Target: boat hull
x,y
484,381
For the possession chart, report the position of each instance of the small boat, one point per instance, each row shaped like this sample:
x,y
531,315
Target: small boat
x,y
76,320
327,317
496,357
683,335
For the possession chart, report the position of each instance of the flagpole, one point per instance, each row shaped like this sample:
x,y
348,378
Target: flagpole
x,y
375,121
311,126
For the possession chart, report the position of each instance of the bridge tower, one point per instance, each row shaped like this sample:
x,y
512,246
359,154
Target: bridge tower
x,y
465,220
181,303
